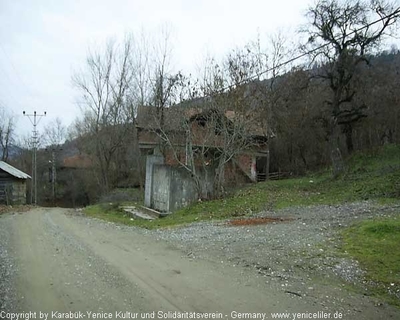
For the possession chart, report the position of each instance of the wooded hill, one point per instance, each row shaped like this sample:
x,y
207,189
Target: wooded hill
x,y
302,114
298,131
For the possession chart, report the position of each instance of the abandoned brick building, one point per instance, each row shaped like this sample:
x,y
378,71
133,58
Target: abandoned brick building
x,y
189,130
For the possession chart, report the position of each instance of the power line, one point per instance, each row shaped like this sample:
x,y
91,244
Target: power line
x,y
394,14
18,77
8,92
16,71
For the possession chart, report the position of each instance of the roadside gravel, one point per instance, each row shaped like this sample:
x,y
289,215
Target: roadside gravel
x,y
300,255
8,269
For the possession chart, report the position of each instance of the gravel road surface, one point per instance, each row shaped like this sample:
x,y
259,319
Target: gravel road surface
x,y
55,260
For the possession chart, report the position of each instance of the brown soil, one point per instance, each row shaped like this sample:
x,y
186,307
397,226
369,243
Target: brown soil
x,y
256,221
15,209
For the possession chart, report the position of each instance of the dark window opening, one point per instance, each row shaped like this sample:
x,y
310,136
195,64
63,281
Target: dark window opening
x,y
261,168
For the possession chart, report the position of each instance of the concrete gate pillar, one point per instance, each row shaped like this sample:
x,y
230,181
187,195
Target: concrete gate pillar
x,y
148,187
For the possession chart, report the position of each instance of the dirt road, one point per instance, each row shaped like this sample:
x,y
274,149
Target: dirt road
x,y
56,261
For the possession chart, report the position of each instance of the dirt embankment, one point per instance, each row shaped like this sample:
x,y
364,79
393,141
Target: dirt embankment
x,y
55,260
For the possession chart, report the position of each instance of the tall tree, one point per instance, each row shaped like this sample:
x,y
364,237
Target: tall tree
x,y
271,61
341,34
107,104
233,95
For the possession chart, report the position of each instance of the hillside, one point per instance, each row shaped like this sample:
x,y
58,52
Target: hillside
x,y
13,151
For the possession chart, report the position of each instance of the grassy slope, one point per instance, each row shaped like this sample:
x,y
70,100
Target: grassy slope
x,y
375,244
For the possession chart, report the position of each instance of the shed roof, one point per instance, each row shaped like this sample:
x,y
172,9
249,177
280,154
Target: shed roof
x,y
13,171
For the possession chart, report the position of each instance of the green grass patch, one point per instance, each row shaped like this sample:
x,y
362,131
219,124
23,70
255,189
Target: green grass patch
x,y
375,244
373,175
109,212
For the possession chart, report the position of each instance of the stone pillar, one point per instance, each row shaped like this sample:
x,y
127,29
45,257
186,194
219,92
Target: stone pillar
x,y
150,161
253,169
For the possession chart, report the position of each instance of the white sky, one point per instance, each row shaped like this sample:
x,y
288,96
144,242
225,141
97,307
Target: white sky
x,y
42,42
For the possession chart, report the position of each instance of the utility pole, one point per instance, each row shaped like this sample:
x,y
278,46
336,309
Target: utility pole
x,y
53,180
53,169
35,119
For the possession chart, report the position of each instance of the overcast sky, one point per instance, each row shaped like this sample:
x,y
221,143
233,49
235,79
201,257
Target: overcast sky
x,y
42,42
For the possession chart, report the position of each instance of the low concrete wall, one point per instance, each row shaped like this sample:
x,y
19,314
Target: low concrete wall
x,y
174,188
182,189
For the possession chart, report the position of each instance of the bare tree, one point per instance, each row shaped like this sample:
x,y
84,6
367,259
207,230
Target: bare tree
x,y
107,104
167,86
7,127
188,133
212,124
236,118
140,86
55,132
341,33
271,61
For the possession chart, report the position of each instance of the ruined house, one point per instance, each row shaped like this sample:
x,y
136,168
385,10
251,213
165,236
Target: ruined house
x,y
193,132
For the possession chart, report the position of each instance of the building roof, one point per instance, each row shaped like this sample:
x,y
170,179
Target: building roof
x,y
149,118
13,171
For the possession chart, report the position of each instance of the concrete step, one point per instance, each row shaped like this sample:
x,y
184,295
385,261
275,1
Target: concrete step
x,y
153,212
137,213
